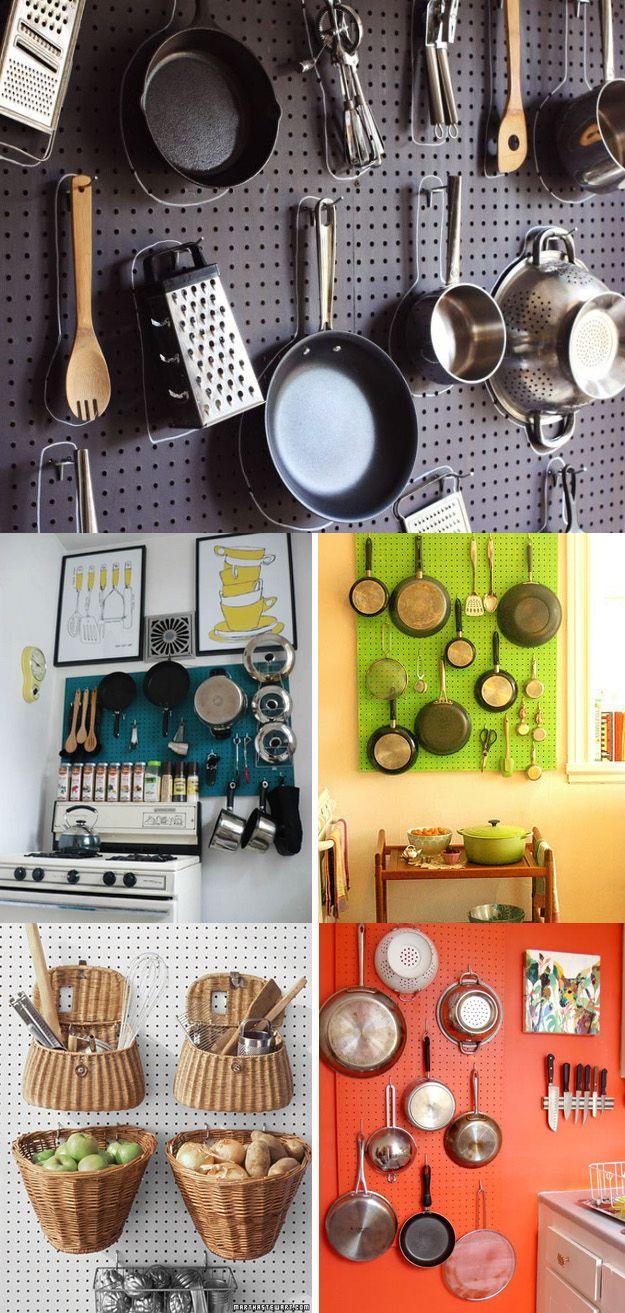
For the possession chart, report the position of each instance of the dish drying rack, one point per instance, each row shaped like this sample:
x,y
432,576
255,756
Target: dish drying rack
x,y
607,1185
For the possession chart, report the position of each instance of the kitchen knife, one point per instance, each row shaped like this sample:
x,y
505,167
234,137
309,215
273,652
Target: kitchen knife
x,y
553,1095
567,1097
578,1090
587,1077
603,1087
595,1090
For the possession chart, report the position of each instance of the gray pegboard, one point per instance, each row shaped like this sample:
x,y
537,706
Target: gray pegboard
x,y
159,1227
195,482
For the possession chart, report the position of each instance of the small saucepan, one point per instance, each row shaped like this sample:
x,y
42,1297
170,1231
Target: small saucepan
x,y
260,830
229,828
474,1138
429,1104
496,690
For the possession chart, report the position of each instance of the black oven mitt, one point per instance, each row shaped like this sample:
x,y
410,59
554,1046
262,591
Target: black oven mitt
x,y
283,803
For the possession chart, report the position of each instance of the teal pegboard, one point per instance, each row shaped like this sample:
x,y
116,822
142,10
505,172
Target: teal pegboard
x,y
446,557
153,745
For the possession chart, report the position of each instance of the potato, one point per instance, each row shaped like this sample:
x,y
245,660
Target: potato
x,y
224,1171
293,1148
257,1160
272,1143
283,1166
229,1151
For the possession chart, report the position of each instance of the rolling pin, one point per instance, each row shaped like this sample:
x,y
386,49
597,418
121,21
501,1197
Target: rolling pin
x,y
42,976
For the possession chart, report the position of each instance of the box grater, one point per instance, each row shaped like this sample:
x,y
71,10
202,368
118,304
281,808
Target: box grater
x,y
36,60
448,514
201,358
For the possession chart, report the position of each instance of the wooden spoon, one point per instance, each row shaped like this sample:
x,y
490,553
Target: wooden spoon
x,y
81,732
507,763
71,742
512,134
275,1012
87,382
91,741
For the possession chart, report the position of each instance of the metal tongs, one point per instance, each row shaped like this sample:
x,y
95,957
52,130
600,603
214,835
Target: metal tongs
x,y
441,17
340,31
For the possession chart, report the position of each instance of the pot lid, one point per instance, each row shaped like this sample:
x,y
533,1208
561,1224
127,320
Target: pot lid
x,y
494,830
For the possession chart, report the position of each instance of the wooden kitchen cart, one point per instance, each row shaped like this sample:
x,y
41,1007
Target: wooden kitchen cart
x,y
389,867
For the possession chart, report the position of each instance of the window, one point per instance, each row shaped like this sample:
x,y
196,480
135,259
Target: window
x,y
596,657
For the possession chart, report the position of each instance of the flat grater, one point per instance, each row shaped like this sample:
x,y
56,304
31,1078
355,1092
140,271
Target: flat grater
x,y
36,60
448,514
201,357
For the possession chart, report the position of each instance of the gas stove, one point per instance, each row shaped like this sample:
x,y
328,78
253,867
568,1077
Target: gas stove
x,y
135,876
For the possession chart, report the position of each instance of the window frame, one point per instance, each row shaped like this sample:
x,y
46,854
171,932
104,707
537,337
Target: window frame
x,y
580,768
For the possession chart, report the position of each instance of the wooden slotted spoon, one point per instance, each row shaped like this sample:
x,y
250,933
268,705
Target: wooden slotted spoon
x,y
87,382
91,742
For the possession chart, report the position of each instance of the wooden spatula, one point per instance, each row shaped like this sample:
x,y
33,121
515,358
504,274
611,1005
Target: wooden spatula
x,y
71,742
269,995
46,992
512,134
81,732
87,382
276,1011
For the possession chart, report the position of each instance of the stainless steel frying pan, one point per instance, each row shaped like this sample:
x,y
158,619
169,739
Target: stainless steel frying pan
x,y
362,1032
361,1225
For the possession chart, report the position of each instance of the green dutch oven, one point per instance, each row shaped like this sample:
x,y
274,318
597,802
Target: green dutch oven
x,y
494,844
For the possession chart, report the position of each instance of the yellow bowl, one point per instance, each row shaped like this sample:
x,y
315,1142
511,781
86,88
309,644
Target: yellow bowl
x,y
430,843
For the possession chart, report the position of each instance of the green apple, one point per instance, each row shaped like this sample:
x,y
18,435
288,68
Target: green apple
x,y
108,1156
80,1146
53,1165
44,1155
113,1149
128,1151
92,1162
69,1164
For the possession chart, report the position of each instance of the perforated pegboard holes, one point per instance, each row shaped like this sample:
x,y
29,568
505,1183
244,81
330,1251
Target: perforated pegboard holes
x,y
195,483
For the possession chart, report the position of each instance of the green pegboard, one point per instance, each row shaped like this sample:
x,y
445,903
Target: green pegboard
x,y
446,557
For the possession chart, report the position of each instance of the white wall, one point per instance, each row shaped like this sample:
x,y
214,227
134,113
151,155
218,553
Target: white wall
x,y
29,575
262,886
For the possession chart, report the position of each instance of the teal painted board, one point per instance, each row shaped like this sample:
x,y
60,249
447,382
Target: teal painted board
x,y
447,558
153,744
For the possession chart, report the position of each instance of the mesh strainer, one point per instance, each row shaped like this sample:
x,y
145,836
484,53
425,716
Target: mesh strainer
x,y
469,1012
406,960
386,678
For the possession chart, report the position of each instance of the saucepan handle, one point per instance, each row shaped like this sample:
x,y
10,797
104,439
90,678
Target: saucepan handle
x,y
325,226
540,441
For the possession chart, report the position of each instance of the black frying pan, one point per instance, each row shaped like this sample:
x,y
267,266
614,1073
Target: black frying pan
x,y
420,604
392,749
427,1239
496,690
165,685
529,614
340,420
443,727
209,106
460,651
115,693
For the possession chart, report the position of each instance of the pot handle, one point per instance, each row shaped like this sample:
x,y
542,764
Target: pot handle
x,y
607,40
81,807
325,226
476,1091
361,1184
390,1105
543,240
427,1058
361,955
262,797
230,792
454,222
539,440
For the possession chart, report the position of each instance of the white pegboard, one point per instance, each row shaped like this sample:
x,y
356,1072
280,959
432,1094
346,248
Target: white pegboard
x,y
159,1227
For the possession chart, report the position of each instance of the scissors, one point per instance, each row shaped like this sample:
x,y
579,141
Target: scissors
x,y
487,738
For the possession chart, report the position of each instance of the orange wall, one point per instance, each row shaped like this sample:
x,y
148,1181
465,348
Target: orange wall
x,y
513,1073
585,823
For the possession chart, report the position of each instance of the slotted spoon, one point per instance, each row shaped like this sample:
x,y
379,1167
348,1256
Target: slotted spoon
x,y
474,604
87,382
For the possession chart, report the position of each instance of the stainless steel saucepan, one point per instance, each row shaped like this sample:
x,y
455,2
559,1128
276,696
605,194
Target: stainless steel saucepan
x,y
362,1031
229,828
590,134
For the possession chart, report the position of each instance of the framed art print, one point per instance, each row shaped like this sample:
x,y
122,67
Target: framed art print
x,y
244,588
100,607
562,993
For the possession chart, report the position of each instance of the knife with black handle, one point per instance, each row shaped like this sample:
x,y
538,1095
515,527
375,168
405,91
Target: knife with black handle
x,y
587,1079
603,1087
595,1091
553,1095
567,1097
579,1073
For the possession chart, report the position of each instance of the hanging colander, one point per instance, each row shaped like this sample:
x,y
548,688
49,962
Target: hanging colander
x,y
406,960
469,1013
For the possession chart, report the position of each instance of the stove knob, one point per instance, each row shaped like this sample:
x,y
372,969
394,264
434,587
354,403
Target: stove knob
x,y
73,877
38,873
130,880
109,877
20,873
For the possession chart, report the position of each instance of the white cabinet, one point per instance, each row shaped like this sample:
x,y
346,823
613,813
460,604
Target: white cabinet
x,y
581,1258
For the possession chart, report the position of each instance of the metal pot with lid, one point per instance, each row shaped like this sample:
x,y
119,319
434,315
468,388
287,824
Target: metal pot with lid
x,y
469,1012
78,838
565,339
219,703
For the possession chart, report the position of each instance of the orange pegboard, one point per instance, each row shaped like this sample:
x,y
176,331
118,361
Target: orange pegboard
x,y
453,1187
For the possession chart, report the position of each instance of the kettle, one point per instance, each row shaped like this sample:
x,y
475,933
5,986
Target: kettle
x,y
78,838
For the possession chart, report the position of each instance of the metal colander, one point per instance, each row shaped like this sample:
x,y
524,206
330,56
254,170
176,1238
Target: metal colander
x,y
406,960
469,1012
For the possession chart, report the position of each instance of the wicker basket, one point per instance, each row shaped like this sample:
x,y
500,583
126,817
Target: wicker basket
x,y
86,1082
238,1220
82,1212
216,1082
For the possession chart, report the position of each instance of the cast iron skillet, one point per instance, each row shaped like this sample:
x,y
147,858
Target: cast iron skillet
x,y
340,420
115,693
443,727
392,749
209,106
420,604
165,685
529,614
496,690
427,1239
